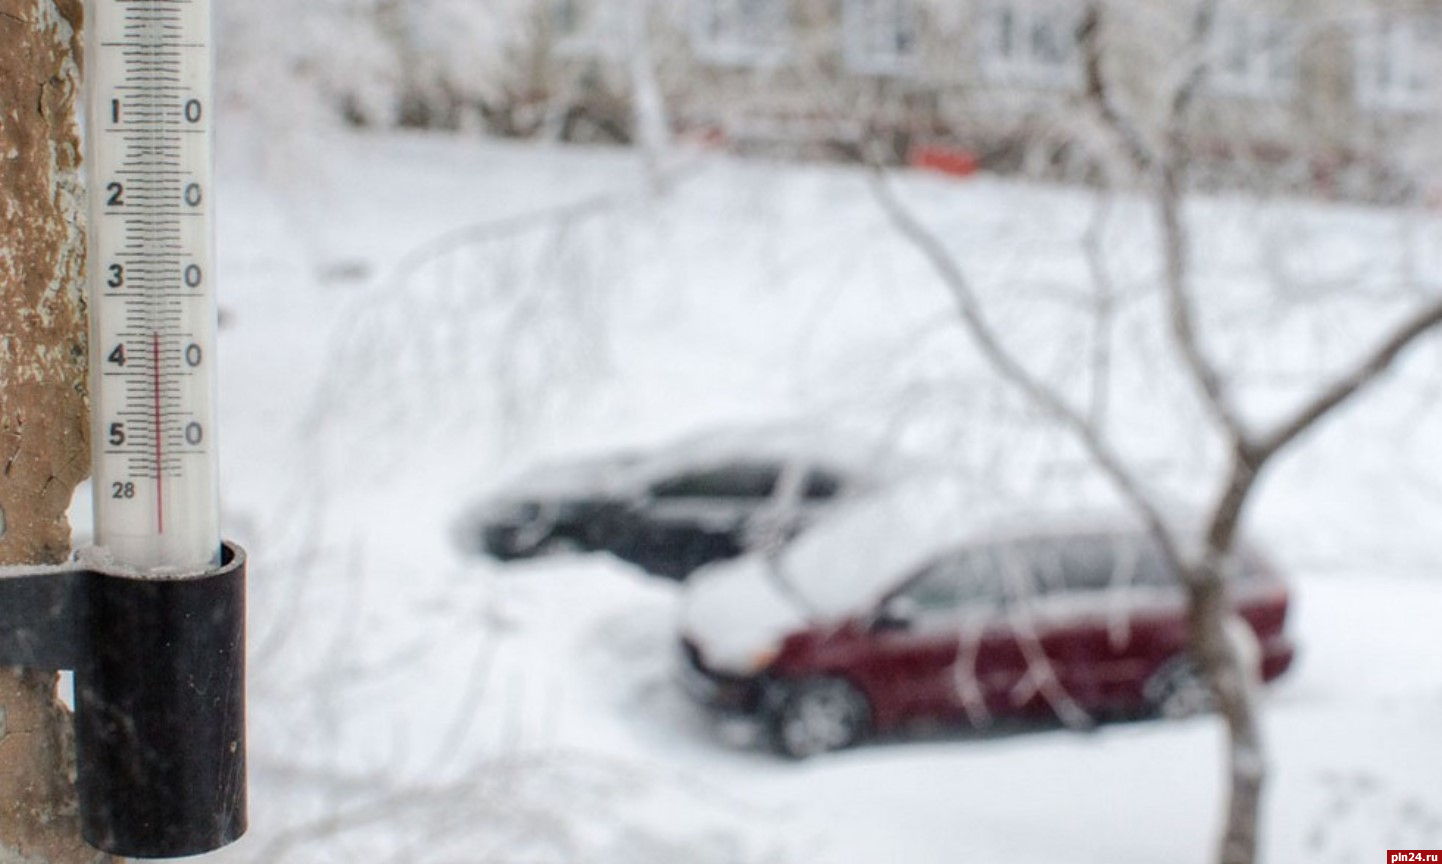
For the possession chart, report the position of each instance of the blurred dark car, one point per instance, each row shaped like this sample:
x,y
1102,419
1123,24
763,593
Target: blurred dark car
x,y
1081,622
558,508
705,498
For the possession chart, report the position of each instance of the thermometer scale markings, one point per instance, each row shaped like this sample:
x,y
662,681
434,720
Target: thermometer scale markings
x,y
151,248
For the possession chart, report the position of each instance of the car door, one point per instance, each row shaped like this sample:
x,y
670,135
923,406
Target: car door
x,y
1060,617
941,645
698,515
1097,615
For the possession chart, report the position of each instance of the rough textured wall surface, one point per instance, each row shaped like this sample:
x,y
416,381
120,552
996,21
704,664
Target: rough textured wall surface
x,y
44,447
44,450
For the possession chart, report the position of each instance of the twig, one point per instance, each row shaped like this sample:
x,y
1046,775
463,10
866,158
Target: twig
x,y
1133,144
1367,370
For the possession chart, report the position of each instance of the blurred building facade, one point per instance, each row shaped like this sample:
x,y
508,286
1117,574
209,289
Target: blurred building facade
x,y
1338,97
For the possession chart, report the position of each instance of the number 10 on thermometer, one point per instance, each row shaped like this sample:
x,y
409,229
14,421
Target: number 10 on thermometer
x,y
153,311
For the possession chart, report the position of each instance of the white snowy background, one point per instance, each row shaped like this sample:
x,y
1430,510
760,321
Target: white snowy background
x,y
409,319
410,704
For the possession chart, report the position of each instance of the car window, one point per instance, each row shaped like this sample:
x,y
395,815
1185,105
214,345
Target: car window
x,y
733,480
1096,563
1086,563
1250,565
1099,562
1105,561
821,485
965,580
1151,566
1031,567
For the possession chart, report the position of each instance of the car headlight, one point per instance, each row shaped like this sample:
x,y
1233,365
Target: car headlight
x,y
762,660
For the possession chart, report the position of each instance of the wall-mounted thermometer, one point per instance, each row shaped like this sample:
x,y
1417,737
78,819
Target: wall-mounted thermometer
x,y
152,619
153,310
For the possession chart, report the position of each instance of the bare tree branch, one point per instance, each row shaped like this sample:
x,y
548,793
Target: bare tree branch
x,y
1169,167
1212,619
1015,373
1198,69
1175,247
1096,91
1367,370
1181,313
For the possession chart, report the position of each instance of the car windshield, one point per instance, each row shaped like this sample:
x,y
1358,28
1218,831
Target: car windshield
x,y
859,554
970,579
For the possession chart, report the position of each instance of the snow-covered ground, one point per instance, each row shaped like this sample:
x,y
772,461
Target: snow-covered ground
x,y
402,331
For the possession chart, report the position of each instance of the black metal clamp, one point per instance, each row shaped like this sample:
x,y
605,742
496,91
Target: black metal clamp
x,y
159,697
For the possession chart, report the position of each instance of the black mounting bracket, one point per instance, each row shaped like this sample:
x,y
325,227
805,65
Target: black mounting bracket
x,y
159,697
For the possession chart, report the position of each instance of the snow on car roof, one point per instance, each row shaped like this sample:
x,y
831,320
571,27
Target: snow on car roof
x,y
813,443
810,444
864,549
599,472
852,558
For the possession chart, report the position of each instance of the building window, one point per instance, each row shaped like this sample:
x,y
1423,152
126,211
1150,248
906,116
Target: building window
x,y
589,26
1031,42
1397,66
1252,54
741,32
881,36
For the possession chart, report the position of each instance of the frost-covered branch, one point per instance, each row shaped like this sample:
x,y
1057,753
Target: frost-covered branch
x,y
1176,247
1011,369
1169,169
1371,367
1089,39
1181,307
1222,659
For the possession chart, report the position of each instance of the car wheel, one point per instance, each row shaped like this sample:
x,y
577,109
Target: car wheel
x,y
819,716
1177,690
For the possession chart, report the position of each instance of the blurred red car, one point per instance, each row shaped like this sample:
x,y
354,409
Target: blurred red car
x,y
1081,622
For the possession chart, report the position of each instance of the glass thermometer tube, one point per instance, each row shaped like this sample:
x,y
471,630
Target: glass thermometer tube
x,y
152,301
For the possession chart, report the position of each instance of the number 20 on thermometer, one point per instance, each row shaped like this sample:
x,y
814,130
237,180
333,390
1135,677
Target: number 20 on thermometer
x,y
153,311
